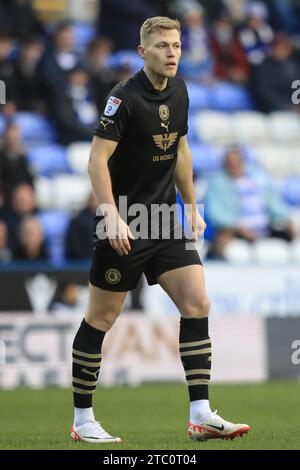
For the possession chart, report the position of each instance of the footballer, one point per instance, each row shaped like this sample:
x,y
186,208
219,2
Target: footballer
x,y
140,152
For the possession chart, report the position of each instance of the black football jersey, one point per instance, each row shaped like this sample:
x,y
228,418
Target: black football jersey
x,y
147,124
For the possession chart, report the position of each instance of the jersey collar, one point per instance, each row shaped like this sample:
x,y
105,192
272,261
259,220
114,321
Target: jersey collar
x,y
148,85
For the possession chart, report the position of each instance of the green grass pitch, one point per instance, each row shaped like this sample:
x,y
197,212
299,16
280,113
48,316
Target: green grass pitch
x,y
153,417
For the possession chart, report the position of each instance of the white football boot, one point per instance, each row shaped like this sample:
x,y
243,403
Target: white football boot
x,y
215,427
92,431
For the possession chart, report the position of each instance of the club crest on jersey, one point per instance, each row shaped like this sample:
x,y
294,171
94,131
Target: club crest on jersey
x,y
164,112
112,106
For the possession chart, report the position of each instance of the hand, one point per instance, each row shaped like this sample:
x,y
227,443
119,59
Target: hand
x,y
195,221
118,234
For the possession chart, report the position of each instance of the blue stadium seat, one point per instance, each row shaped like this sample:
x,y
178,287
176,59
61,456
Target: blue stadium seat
x,y
291,191
214,127
126,57
192,132
48,160
35,128
84,33
55,224
229,97
205,157
198,95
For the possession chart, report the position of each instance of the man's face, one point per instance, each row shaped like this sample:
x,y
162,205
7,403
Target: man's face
x,y
23,199
31,234
282,50
234,164
32,52
161,52
65,39
5,47
13,136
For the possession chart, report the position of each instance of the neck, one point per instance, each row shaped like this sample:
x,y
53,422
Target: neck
x,y
159,82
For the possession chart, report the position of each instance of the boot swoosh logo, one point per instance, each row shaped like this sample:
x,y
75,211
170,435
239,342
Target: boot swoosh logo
x,y
219,428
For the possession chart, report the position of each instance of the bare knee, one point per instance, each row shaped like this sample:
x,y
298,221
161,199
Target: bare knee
x,y
102,320
104,307
196,309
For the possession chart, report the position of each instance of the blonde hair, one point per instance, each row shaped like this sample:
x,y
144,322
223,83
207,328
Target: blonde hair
x,y
158,23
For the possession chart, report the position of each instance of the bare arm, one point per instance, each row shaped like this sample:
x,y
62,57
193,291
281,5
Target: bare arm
x,y
184,172
184,184
117,231
101,151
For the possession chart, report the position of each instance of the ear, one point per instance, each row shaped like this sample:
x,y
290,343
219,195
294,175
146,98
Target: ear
x,y
141,51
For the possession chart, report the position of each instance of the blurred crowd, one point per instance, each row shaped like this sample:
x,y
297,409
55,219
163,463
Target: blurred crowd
x,y
49,70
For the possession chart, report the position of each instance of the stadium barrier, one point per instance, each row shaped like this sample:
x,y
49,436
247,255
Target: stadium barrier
x,y
246,289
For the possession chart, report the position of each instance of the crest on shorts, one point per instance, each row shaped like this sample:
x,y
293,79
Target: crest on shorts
x,y
112,276
112,105
164,112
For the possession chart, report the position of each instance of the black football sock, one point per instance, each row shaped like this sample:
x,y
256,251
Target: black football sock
x,y
195,352
86,363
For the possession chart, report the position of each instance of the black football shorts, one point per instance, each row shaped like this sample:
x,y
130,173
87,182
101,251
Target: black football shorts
x,y
113,272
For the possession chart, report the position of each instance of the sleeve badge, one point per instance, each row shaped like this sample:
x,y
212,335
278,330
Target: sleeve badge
x,y
112,106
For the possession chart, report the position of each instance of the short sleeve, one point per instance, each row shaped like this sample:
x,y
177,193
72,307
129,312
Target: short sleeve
x,y
186,108
115,115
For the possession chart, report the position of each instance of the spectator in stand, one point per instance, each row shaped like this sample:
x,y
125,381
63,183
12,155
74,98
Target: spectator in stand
x,y
74,109
123,72
241,202
284,15
163,7
256,35
20,18
60,59
102,77
78,238
214,9
272,80
14,168
8,111
5,253
230,59
22,204
197,60
66,299
27,81
30,242
120,20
